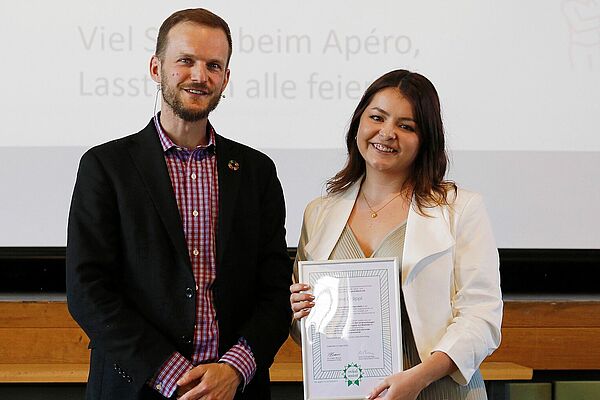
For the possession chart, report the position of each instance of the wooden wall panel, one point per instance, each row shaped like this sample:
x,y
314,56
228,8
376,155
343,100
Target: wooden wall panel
x,y
44,373
551,314
39,342
290,352
43,345
35,314
550,348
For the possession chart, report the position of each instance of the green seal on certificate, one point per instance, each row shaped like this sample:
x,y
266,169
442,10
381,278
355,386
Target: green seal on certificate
x,y
353,374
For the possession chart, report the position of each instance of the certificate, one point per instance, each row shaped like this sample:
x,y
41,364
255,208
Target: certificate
x,y
351,337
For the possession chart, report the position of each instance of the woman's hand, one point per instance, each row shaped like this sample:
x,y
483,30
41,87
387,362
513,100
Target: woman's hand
x,y
301,302
407,385
401,386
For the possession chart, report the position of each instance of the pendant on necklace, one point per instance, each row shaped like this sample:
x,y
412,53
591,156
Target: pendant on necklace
x,y
373,214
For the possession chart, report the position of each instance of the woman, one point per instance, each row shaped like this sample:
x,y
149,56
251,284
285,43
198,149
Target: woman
x,y
391,200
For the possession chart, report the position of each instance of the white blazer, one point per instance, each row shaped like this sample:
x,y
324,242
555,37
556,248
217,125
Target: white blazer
x,y
450,273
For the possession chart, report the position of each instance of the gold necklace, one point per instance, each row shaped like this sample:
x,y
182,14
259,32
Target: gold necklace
x,y
374,212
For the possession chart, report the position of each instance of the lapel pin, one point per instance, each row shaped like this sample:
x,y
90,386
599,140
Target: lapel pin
x,y
233,165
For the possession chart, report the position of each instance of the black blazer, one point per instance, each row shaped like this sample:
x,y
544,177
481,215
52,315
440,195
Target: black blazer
x,y
129,278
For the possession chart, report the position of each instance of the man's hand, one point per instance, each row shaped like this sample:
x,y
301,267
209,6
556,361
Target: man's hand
x,y
183,389
217,381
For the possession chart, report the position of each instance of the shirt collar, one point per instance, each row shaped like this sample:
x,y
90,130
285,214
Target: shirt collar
x,y
167,144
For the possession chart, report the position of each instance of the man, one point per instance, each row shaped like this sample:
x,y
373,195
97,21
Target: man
x,y
177,266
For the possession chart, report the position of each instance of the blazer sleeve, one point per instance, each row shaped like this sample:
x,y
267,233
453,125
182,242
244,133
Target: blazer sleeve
x,y
474,331
267,329
94,292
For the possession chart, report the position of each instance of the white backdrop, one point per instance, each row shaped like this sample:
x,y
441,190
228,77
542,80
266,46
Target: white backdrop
x,y
519,84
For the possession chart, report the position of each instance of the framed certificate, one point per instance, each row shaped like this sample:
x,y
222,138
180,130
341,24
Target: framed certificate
x,y
351,338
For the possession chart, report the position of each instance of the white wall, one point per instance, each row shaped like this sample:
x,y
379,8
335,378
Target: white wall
x,y
518,82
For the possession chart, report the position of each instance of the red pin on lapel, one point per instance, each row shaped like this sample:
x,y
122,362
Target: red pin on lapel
x,y
233,165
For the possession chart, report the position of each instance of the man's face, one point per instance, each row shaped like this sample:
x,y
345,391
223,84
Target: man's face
x,y
193,70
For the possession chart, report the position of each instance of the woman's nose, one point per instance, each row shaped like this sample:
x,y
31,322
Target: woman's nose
x,y
387,133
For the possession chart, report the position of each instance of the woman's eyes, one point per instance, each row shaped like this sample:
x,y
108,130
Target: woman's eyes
x,y
406,127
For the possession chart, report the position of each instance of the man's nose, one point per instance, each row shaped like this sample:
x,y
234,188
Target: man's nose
x,y
199,73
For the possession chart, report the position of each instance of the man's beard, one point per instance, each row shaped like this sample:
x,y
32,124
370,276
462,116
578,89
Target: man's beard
x,y
171,97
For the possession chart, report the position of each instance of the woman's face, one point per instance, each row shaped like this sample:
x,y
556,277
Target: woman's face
x,y
387,134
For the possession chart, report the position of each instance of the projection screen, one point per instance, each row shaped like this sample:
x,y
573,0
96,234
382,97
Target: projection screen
x,y
519,84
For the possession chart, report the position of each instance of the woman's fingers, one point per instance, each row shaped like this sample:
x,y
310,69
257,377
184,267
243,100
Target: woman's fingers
x,y
301,310
378,389
296,297
301,303
298,287
301,314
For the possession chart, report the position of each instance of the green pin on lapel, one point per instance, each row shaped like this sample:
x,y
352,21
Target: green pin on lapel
x,y
233,165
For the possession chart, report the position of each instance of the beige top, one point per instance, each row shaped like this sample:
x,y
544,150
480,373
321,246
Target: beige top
x,y
392,245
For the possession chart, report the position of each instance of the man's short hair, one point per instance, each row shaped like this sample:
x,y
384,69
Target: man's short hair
x,y
199,16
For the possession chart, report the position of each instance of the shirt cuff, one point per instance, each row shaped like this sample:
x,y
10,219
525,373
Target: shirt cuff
x,y
241,358
165,380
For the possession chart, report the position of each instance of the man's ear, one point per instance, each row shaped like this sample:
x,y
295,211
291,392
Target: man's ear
x,y
226,79
155,69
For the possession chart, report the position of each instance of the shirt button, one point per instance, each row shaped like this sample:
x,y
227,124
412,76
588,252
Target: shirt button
x,y
195,252
189,292
197,288
195,213
158,387
193,176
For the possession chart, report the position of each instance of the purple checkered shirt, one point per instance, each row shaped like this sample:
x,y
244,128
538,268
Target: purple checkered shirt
x,y
195,183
